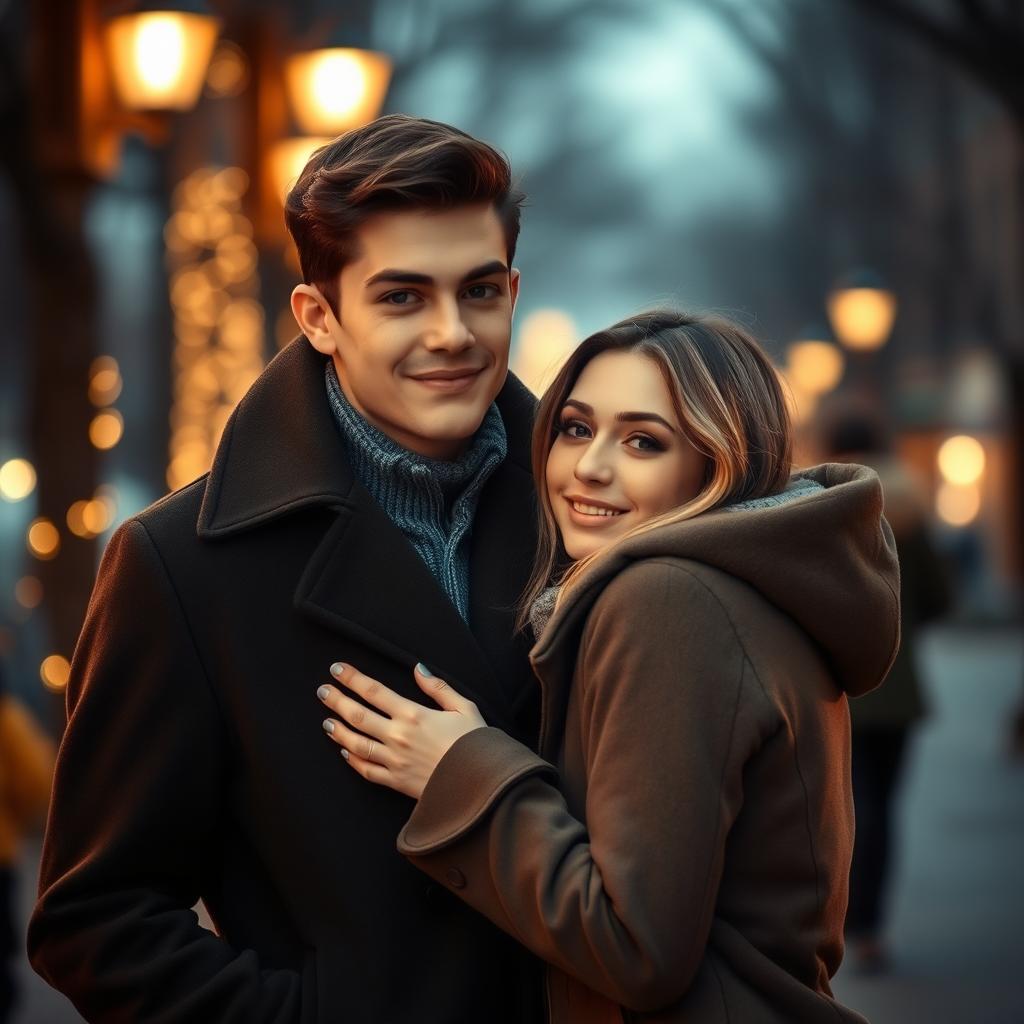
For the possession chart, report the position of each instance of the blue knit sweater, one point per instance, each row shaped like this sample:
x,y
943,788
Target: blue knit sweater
x,y
432,501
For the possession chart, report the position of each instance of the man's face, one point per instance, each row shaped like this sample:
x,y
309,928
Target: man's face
x,y
425,320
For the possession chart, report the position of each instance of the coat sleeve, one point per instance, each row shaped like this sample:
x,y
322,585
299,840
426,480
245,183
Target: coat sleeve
x,y
622,901
137,794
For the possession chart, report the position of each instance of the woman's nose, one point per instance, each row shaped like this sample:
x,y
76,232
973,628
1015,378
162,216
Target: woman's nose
x,y
594,465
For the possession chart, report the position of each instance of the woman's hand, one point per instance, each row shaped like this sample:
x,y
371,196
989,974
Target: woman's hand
x,y
401,747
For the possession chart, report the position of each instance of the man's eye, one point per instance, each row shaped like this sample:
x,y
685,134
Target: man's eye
x,y
482,291
399,298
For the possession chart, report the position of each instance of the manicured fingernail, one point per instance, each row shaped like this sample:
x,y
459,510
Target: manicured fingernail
x,y
328,726
337,668
344,753
424,671
323,692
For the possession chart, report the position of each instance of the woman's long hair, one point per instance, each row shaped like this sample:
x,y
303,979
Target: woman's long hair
x,y
728,398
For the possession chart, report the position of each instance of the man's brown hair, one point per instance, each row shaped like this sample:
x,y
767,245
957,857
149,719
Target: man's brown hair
x,y
396,162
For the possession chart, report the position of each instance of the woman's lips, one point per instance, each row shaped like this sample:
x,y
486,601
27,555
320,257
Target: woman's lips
x,y
590,519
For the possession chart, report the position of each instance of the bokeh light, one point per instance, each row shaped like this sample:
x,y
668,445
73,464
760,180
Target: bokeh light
x,y
104,381
958,504
55,671
815,367
961,460
106,429
546,339
17,479
43,538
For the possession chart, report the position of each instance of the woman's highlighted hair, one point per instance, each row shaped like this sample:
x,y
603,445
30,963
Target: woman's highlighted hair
x,y
727,397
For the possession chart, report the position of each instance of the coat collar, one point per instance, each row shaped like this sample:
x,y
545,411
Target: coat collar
x,y
281,452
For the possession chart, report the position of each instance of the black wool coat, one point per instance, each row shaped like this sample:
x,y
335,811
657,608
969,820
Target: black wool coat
x,y
194,765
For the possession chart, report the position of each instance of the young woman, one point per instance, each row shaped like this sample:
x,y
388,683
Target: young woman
x,y
679,849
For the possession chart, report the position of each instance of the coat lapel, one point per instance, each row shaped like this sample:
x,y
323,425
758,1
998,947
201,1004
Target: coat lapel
x,y
366,581
281,452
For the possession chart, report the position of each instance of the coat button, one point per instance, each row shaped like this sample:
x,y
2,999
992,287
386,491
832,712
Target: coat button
x,y
456,879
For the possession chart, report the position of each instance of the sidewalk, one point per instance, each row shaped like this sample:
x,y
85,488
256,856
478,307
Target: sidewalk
x,y
958,894
957,900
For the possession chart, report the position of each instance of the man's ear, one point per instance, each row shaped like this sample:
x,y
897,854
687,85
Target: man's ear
x,y
513,286
313,314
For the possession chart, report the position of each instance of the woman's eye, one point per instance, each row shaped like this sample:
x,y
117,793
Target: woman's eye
x,y
482,291
645,443
573,428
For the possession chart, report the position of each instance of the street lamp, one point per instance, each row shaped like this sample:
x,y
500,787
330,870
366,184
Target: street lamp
x,y
158,59
862,312
333,90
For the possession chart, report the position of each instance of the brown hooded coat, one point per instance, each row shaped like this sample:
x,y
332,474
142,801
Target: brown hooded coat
x,y
679,851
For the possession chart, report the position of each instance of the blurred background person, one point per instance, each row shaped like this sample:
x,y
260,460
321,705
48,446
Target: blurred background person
x,y
26,771
883,720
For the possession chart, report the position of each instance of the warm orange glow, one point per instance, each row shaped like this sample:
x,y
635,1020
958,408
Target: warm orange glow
x,y
28,592
862,318
17,479
96,516
55,672
104,381
229,70
334,90
106,429
815,367
159,58
43,539
958,504
546,339
76,520
288,157
961,460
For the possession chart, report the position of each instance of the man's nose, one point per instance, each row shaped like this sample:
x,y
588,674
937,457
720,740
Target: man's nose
x,y
447,329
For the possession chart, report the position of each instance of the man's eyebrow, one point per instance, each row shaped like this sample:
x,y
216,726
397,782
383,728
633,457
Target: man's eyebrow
x,y
623,417
395,276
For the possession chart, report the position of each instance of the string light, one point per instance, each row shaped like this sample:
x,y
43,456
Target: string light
x,y
218,320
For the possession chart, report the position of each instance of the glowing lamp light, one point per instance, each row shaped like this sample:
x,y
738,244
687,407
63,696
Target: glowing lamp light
x,y
106,429
958,504
546,340
815,367
43,539
337,89
961,460
17,479
104,381
159,58
862,315
55,671
287,159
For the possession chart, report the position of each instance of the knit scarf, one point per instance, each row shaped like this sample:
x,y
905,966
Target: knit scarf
x,y
432,501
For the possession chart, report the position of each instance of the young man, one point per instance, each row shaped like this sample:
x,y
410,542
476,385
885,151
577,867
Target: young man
x,y
370,502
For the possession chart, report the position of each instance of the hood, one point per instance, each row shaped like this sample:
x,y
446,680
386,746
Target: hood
x,y
820,552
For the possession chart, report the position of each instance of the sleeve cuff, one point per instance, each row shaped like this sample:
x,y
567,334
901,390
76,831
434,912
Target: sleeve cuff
x,y
478,769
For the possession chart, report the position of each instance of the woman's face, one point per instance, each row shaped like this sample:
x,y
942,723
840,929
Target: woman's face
x,y
620,456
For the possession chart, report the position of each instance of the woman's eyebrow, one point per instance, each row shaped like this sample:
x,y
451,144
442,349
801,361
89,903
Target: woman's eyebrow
x,y
623,417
